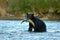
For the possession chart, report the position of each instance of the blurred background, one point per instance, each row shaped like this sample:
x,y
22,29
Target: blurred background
x,y
16,9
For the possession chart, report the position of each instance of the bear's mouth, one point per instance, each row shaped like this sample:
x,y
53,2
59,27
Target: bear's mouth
x,y
30,21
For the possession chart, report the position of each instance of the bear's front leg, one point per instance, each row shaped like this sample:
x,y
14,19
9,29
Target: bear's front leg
x,y
30,27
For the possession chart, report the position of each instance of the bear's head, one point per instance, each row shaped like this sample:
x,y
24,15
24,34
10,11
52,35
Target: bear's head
x,y
30,16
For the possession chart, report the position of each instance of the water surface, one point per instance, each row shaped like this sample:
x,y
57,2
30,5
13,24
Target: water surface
x,y
14,30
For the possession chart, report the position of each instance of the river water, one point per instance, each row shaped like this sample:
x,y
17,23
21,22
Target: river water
x,y
14,30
